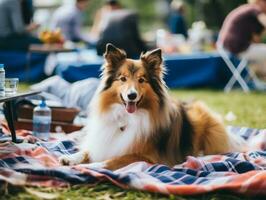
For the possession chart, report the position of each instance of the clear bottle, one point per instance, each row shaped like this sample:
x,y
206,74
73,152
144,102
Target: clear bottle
x,y
42,121
2,80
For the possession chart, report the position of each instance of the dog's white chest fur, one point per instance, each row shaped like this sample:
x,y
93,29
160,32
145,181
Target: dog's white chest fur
x,y
113,133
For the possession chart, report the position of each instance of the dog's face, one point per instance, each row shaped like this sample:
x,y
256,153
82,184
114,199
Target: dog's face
x,y
133,83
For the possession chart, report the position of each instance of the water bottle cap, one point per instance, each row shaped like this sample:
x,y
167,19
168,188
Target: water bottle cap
x,y
2,65
43,103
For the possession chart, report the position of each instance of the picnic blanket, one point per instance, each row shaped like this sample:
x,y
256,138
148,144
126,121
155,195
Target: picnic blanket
x,y
37,165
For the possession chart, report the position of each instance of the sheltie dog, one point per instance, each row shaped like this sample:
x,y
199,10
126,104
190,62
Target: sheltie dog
x,y
133,118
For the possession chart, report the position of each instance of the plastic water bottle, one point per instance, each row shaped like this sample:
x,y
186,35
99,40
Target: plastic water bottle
x,y
42,121
2,80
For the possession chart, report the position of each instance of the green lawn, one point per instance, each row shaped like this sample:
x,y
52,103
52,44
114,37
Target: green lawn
x,y
249,109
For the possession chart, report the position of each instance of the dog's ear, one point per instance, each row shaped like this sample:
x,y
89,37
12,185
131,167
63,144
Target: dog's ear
x,y
153,61
114,55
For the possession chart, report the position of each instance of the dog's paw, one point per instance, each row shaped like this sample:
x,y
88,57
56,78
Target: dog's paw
x,y
74,159
67,160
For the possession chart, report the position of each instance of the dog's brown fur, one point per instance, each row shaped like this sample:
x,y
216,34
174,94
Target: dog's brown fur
x,y
178,129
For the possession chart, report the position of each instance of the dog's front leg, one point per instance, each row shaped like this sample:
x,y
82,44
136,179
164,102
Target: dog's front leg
x,y
122,161
74,159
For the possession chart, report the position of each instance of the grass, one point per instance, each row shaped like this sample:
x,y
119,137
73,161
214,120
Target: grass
x,y
249,109
23,86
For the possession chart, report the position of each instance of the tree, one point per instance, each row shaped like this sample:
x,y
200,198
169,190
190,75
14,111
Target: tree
x,y
212,12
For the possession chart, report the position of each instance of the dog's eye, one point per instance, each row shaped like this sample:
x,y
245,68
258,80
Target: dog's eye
x,y
141,80
123,79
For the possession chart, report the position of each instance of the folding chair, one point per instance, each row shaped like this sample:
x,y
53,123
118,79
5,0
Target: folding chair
x,y
259,84
235,69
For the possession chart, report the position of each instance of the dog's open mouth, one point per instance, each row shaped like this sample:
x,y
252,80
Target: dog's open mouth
x,y
131,106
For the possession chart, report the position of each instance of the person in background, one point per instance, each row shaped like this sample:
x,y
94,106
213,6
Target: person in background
x,y
119,26
176,22
27,10
77,94
102,15
69,18
242,31
15,34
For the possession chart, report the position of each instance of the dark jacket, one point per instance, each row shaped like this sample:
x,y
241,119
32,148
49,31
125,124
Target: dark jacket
x,y
177,24
122,31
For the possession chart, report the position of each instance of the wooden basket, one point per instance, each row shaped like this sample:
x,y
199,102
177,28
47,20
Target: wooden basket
x,y
62,119
66,115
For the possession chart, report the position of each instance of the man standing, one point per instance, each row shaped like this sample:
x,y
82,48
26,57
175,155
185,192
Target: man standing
x,y
176,22
119,26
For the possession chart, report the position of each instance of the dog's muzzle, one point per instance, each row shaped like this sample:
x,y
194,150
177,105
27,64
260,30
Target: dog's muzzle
x,y
131,105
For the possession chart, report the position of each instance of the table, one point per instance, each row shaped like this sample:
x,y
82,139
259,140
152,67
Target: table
x,y
48,48
44,49
9,112
183,70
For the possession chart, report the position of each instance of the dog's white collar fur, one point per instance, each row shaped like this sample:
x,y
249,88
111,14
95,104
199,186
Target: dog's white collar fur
x,y
105,138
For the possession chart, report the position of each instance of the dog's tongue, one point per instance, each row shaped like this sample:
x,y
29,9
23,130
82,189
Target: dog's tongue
x,y
131,107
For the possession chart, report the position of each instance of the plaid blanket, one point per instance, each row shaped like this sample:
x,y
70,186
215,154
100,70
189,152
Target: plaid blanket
x,y
37,165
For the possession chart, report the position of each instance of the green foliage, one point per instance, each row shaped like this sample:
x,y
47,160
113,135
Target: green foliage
x,y
145,9
212,12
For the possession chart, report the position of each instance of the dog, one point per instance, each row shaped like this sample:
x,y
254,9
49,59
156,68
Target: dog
x,y
133,118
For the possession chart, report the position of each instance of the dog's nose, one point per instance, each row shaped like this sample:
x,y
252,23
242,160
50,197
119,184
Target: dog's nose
x,y
132,96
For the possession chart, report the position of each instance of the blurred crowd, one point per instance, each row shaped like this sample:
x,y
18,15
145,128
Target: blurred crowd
x,y
16,24
240,34
112,23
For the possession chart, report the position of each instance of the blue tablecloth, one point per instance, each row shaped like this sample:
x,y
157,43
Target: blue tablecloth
x,y
16,65
193,70
196,70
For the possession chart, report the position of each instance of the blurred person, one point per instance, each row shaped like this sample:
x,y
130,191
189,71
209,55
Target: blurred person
x,y
27,10
77,94
69,18
15,34
119,26
242,31
176,22
101,16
